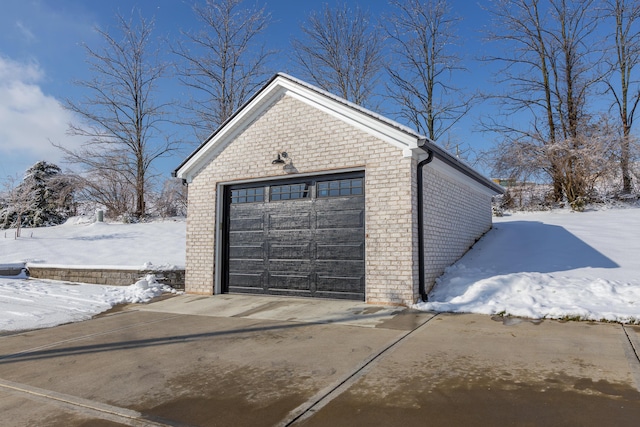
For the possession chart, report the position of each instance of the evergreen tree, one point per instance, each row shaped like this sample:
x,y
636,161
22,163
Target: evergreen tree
x,y
43,198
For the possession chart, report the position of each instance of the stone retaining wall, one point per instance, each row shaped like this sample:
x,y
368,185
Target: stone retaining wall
x,y
106,276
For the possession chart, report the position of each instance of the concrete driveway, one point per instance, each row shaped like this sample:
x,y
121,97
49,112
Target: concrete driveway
x,y
262,361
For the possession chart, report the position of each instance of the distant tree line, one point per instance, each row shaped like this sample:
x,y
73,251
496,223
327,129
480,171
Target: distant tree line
x,y
570,72
567,91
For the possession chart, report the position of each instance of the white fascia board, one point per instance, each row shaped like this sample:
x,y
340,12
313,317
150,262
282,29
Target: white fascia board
x,y
458,176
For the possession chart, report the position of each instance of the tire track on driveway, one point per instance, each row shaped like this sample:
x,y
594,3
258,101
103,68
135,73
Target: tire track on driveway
x,y
326,395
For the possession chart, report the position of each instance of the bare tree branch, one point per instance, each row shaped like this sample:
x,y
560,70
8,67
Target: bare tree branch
x,y
423,38
119,115
341,52
223,63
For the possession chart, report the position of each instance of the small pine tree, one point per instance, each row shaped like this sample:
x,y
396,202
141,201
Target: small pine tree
x,y
45,197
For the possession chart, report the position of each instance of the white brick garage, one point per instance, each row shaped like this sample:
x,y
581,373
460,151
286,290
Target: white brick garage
x,y
325,136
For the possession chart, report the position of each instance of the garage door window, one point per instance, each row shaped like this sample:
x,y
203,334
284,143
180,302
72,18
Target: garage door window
x,y
342,187
247,195
289,192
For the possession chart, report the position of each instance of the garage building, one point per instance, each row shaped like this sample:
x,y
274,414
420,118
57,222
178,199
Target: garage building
x,y
303,193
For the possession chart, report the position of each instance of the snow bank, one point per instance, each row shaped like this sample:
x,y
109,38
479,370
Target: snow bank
x,y
83,243
549,265
31,304
13,270
535,295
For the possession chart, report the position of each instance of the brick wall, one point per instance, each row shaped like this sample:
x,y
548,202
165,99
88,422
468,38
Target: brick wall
x,y
455,216
316,142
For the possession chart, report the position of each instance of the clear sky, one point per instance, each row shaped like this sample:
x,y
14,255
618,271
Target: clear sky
x,y
41,54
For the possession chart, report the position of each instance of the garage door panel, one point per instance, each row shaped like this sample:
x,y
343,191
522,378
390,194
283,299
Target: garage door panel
x,y
340,219
247,238
335,236
339,203
336,284
289,237
354,251
281,251
283,282
245,265
247,252
246,224
293,221
246,280
277,266
341,268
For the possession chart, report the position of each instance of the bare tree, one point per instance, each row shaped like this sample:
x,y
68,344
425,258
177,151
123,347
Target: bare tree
x,y
105,187
120,117
423,38
224,62
580,164
623,61
526,74
548,74
172,200
341,51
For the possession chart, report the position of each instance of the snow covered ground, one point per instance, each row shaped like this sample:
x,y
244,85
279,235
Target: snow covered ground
x,y
81,242
540,265
31,304
550,265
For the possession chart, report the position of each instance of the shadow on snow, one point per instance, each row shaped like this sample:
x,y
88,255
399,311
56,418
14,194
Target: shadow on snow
x,y
535,247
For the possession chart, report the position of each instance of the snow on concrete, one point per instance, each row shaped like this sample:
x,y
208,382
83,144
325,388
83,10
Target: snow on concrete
x,y
549,265
33,304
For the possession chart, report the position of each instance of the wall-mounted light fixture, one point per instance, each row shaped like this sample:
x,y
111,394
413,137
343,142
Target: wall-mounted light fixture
x,y
280,158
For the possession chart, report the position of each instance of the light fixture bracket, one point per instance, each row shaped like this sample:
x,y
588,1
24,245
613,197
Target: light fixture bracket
x,y
279,158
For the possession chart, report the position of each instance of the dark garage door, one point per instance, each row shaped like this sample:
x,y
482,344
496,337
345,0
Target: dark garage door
x,y
301,238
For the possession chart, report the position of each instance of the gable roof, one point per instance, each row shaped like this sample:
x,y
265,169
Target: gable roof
x,y
379,126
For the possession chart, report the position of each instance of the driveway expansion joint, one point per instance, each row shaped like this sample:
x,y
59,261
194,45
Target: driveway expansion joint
x,y
326,395
87,407
632,346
